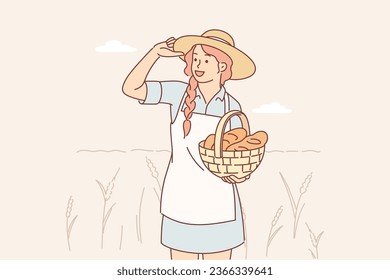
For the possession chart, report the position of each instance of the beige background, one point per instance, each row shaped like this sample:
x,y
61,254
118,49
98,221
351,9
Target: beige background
x,y
327,61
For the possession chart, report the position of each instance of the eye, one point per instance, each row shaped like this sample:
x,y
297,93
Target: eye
x,y
206,61
195,59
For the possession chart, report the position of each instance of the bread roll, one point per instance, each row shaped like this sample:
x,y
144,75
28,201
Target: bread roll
x,y
262,136
255,141
235,135
244,145
209,142
225,144
252,140
237,147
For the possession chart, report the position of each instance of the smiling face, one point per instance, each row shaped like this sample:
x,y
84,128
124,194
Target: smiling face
x,y
205,67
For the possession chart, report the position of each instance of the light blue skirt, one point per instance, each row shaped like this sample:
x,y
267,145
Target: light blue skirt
x,y
204,238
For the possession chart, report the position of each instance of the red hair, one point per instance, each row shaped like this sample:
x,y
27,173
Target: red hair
x,y
220,56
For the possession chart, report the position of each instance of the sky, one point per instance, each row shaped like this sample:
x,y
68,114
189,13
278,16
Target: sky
x,y
321,81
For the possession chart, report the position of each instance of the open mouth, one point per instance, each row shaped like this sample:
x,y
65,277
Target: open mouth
x,y
199,73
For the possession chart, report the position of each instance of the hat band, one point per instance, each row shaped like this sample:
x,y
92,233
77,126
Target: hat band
x,y
219,39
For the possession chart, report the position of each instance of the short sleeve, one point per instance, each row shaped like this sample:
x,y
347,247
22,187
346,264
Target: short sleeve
x,y
166,92
153,93
234,105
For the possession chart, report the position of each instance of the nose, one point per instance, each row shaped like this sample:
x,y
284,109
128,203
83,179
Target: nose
x,y
198,63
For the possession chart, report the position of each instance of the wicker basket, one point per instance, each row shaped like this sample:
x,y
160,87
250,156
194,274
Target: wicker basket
x,y
225,163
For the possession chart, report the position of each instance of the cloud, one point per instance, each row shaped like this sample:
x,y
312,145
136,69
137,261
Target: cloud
x,y
272,108
115,46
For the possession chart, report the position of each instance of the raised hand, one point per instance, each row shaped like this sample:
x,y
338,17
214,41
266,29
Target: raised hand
x,y
134,85
165,49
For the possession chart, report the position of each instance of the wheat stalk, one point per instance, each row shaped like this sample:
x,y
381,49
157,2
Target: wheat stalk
x,y
315,240
106,192
121,239
68,214
138,217
154,173
297,210
245,232
272,233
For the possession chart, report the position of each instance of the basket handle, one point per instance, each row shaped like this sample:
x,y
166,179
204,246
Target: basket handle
x,y
221,129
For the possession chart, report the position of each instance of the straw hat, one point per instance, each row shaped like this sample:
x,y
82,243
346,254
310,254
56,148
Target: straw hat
x,y
243,67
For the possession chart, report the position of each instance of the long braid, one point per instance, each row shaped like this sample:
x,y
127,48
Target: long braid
x,y
190,105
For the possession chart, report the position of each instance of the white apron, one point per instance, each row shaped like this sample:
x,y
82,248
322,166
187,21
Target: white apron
x,y
191,193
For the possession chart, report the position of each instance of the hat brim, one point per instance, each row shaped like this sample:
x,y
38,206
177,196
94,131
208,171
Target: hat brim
x,y
242,67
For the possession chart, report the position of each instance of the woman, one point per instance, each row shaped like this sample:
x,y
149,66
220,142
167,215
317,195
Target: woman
x,y
201,213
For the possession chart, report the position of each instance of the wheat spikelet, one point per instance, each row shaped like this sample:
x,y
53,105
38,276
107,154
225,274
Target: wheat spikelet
x,y
109,190
69,208
277,215
152,168
272,233
313,238
305,184
110,187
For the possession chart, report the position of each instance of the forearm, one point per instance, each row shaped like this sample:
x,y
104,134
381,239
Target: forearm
x,y
134,84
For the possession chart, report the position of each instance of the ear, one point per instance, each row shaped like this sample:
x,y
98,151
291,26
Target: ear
x,y
222,66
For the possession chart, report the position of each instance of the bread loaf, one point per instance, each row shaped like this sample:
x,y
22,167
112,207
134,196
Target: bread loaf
x,y
262,136
229,138
209,142
255,141
241,146
235,135
244,145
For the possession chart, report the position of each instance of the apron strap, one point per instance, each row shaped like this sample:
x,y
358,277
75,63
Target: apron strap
x,y
179,111
227,107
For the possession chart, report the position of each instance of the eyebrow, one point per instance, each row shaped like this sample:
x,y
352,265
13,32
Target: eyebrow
x,y
204,54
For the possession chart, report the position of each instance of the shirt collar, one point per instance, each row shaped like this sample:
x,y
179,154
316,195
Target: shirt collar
x,y
219,96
